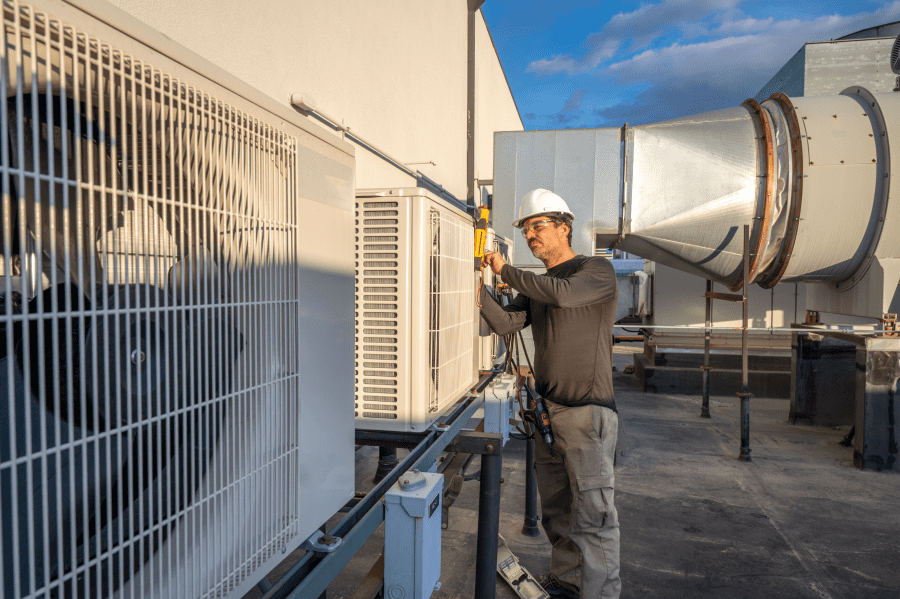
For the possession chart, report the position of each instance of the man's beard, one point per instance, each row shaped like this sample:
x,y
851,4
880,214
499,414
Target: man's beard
x,y
539,251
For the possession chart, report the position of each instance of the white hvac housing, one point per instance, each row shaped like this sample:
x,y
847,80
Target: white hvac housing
x,y
416,318
169,319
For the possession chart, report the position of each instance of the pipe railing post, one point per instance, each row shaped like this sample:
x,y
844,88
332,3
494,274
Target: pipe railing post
x,y
704,409
745,362
530,527
488,526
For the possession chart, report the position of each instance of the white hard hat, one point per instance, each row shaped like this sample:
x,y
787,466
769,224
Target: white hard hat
x,y
542,201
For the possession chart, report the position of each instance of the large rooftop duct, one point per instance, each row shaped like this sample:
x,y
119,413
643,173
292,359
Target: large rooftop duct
x,y
811,176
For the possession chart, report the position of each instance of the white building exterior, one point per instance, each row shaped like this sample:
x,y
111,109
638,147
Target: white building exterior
x,y
394,72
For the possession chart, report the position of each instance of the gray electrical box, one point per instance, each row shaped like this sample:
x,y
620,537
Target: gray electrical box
x,y
412,536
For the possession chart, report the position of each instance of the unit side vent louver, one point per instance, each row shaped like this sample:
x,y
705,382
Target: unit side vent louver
x,y
149,428
415,311
380,271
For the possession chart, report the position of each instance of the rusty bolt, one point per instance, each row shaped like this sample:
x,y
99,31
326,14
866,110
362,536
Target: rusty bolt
x,y
865,114
489,447
327,540
834,115
842,162
873,160
811,163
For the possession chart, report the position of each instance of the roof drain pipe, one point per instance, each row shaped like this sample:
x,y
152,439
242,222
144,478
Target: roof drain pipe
x,y
305,103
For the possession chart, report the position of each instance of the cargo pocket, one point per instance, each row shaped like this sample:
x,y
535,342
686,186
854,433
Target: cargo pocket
x,y
594,505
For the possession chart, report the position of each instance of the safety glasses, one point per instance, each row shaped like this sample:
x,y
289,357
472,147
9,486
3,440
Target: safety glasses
x,y
537,226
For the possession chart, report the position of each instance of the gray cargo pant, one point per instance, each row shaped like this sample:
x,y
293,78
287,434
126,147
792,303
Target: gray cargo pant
x,y
576,488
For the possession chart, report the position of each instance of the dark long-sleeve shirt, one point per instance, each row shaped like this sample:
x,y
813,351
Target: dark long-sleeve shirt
x,y
571,310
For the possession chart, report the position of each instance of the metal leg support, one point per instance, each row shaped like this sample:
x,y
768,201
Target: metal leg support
x,y
488,527
704,409
745,360
387,461
530,527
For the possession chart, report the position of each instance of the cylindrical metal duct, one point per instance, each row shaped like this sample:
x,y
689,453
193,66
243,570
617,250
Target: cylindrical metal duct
x,y
693,184
810,175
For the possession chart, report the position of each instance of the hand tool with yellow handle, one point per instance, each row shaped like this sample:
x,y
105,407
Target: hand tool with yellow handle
x,y
481,227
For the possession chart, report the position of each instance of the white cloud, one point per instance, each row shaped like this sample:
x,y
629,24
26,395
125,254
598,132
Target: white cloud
x,y
738,58
715,20
732,58
635,30
743,25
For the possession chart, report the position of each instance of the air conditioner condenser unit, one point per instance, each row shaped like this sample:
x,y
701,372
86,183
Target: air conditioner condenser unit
x,y
416,317
164,371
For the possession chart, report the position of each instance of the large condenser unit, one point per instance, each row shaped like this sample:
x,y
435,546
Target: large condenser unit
x,y
416,319
170,320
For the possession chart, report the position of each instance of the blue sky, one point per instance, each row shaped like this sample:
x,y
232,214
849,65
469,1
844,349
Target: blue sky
x,y
577,63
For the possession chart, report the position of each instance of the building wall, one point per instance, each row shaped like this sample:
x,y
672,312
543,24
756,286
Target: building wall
x,y
394,72
495,108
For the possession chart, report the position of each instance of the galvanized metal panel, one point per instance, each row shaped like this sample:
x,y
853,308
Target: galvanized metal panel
x,y
504,212
876,293
832,66
573,180
889,243
789,80
535,168
608,156
582,166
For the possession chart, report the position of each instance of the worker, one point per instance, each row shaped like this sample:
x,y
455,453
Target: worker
x,y
571,310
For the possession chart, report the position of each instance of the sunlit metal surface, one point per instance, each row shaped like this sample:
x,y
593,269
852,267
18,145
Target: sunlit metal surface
x,y
694,184
151,443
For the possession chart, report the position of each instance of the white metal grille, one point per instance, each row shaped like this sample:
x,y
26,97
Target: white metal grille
x,y
416,330
451,323
148,371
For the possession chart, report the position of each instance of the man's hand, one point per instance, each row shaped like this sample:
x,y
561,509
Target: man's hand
x,y
494,260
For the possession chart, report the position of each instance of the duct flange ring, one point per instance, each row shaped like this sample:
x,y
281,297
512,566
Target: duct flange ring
x,y
762,121
884,181
773,274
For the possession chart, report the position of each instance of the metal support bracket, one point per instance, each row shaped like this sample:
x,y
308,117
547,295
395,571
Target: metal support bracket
x,y
730,297
889,324
321,542
475,442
